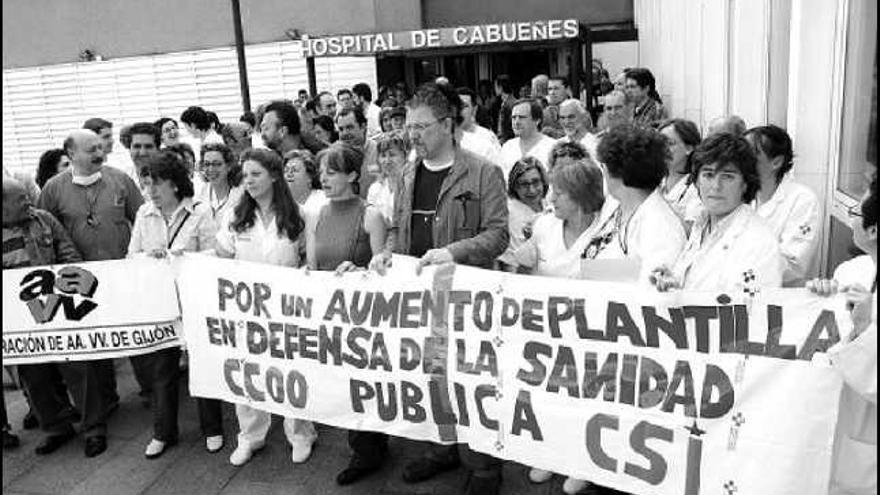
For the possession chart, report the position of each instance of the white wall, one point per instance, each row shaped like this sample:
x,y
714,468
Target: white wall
x,y
617,55
717,57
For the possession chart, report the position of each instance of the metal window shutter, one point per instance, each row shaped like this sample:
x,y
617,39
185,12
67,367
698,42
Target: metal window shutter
x,y
41,105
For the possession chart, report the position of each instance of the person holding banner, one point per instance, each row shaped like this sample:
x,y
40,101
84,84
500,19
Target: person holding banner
x,y
265,227
579,211
170,223
644,229
730,246
854,468
450,208
346,235
33,237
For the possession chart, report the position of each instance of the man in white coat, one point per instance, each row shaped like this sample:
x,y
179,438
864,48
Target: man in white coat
x,y
525,118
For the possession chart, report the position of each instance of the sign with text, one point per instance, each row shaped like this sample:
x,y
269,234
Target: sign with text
x,y
485,34
92,310
647,393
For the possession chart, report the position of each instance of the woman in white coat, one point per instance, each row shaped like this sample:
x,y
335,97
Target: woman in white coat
x,y
791,209
265,227
854,465
730,247
645,228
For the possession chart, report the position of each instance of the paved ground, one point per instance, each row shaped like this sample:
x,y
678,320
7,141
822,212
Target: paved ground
x,y
189,469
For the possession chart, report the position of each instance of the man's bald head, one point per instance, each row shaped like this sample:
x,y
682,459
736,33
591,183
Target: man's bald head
x,y
85,150
733,124
16,203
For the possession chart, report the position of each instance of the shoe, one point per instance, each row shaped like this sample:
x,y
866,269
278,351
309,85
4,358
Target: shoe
x,y
214,443
483,485
156,448
95,445
243,453
301,450
539,475
53,442
10,440
358,468
30,421
572,485
424,469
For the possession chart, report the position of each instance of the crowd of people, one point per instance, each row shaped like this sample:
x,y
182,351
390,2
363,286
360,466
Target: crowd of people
x,y
339,182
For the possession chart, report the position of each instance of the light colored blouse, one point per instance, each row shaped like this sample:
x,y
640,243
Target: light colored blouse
x,y
190,228
260,243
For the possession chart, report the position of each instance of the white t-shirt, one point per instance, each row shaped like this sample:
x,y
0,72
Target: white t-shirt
x,y
512,151
483,143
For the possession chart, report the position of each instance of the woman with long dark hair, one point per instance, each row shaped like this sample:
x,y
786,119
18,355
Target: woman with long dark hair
x,y
265,227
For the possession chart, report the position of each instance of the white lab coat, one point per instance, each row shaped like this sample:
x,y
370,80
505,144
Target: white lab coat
x,y
793,214
654,236
483,143
854,466
741,244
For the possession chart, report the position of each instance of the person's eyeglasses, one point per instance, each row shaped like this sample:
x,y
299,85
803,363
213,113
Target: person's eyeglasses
x,y
212,164
528,184
420,126
855,211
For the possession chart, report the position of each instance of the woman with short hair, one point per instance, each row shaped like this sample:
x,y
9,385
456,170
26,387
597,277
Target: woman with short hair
x,y
730,247
392,149
223,179
579,209
644,228
559,239
265,227
683,137
791,209
170,222
170,131
527,188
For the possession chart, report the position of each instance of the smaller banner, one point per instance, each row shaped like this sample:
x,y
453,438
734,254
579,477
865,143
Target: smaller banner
x,y
93,310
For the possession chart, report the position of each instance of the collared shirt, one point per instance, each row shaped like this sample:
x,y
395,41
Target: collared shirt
x,y
190,228
590,142
739,254
512,152
653,235
260,243
219,208
98,217
793,214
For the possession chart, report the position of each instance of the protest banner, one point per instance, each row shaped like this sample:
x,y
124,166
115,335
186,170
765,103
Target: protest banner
x,y
643,392
92,310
